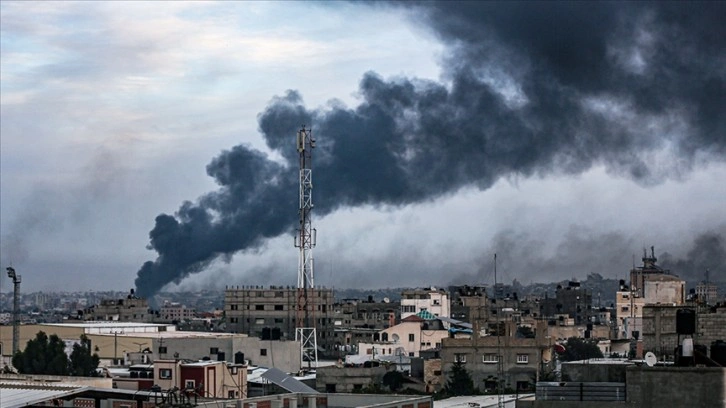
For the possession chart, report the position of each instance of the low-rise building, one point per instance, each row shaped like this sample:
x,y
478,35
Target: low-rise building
x,y
207,379
520,358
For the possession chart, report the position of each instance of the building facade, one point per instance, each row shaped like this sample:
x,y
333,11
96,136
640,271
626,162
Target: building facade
x,y
257,312
508,358
435,301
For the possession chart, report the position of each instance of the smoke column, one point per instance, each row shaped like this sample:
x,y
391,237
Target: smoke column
x,y
527,89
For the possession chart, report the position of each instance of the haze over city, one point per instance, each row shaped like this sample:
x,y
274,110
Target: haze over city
x,y
151,145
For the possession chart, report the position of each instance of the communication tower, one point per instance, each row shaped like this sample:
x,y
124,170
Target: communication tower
x,y
305,331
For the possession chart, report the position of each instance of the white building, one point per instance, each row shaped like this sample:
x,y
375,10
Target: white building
x,y
432,300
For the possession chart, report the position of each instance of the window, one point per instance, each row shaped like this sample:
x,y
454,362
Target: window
x,y
489,358
279,307
162,349
278,320
165,373
259,307
259,321
522,358
189,384
213,350
411,337
330,387
408,309
263,352
233,319
233,307
460,358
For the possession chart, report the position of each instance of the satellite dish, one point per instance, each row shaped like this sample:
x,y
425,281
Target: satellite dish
x,y
650,359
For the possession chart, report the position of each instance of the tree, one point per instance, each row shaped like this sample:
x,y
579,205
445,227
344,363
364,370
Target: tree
x,y
42,355
393,380
579,349
460,382
82,363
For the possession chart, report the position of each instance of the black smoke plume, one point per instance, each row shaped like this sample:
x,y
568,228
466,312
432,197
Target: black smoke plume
x,y
706,253
527,89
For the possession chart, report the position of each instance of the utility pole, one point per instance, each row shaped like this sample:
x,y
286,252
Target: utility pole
x,y
16,307
305,331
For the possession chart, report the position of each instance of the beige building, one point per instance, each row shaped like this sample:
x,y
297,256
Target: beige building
x,y
124,343
628,314
111,340
405,339
175,312
130,309
665,289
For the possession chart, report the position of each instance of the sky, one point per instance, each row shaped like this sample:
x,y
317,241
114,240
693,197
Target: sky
x,y
150,145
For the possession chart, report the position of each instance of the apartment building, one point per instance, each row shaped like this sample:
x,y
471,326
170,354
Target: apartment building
x,y
432,300
257,311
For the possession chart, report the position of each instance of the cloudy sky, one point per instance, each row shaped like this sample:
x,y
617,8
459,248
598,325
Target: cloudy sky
x,y
152,144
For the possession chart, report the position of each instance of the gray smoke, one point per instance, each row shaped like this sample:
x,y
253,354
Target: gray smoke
x,y
707,252
527,89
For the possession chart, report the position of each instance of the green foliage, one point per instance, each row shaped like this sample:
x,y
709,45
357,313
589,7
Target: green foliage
x,y
580,349
82,362
460,382
42,355
393,380
46,355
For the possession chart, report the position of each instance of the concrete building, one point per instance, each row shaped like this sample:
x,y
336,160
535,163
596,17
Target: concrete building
x,y
174,312
348,379
707,293
466,297
407,339
628,314
649,271
251,310
665,289
207,379
357,320
571,300
123,343
229,347
521,358
111,339
659,330
644,387
432,300
130,309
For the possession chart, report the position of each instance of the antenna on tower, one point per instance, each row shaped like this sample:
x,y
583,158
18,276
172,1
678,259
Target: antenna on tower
x,y
305,238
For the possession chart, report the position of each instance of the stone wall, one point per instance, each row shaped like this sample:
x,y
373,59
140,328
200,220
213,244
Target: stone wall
x,y
658,387
711,327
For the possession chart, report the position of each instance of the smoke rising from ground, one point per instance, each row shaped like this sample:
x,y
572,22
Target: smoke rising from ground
x,y
527,89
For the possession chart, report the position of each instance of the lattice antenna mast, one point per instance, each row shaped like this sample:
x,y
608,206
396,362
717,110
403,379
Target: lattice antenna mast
x,y
305,238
